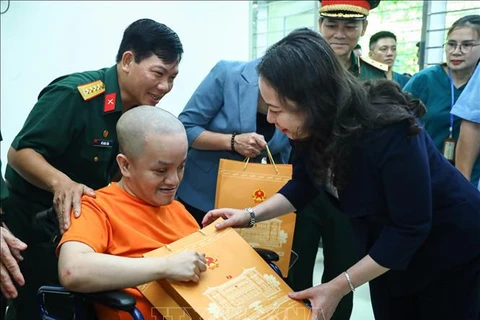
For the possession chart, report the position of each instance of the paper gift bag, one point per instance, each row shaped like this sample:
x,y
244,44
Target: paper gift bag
x,y
242,185
237,285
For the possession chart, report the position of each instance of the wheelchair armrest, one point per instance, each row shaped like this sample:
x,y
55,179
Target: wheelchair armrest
x,y
115,299
267,255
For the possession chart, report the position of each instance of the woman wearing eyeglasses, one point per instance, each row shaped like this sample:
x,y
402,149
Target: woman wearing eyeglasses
x,y
440,86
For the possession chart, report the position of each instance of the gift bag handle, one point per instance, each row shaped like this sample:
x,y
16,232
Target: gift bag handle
x,y
269,154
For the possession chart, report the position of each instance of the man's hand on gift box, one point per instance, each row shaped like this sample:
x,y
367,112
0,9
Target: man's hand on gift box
x,y
324,299
185,266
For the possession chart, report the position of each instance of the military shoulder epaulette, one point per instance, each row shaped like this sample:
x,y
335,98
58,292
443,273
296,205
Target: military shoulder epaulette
x,y
91,90
373,63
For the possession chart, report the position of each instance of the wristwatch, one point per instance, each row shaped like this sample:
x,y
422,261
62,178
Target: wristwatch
x,y
252,217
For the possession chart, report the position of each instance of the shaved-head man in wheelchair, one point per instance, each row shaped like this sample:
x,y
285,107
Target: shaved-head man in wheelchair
x,y
102,250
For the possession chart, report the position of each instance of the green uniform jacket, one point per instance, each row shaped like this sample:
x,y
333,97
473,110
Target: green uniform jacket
x,y
363,70
75,136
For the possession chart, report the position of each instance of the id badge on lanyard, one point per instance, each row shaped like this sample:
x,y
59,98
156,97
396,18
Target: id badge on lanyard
x,y
449,144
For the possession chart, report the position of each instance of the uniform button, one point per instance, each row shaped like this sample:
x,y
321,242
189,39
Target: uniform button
x,y
105,133
95,159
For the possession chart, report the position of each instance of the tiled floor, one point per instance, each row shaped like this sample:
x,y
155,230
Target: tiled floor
x,y
362,309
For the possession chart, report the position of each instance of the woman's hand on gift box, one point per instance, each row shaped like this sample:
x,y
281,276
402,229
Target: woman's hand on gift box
x,y
232,218
185,266
249,144
324,299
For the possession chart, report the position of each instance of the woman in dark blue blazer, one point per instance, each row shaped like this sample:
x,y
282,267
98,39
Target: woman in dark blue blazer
x,y
417,219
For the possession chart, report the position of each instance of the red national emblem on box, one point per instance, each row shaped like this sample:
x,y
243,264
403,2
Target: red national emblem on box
x,y
259,196
211,263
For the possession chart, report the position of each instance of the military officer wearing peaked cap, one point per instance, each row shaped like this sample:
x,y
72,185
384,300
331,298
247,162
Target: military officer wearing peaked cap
x,y
68,144
341,23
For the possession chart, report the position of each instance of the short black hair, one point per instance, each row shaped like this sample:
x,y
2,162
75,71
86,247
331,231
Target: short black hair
x,y
380,35
146,37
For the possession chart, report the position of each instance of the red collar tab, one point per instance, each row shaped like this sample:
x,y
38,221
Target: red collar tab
x,y
110,102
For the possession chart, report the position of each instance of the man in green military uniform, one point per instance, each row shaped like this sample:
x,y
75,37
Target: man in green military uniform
x,y
341,23
68,144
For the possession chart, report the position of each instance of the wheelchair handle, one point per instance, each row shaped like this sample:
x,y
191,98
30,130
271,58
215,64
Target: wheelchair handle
x,y
45,214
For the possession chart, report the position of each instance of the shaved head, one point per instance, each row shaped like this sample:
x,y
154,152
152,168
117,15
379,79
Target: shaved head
x,y
140,124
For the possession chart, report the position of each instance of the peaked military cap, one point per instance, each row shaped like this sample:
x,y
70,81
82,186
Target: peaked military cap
x,y
347,9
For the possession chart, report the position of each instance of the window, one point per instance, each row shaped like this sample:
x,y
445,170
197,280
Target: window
x,y
411,22
440,15
404,19
273,20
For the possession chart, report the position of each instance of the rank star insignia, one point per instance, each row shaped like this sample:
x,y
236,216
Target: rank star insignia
x,y
259,196
91,90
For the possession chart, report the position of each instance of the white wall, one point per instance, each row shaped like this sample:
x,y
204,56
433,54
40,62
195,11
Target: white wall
x,y
41,40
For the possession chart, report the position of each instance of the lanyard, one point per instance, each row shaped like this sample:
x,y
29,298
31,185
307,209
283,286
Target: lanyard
x,y
453,100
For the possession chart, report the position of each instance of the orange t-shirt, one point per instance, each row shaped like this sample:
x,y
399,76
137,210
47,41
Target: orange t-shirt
x,y
119,224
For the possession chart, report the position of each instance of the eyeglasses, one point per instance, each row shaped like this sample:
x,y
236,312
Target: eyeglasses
x,y
464,47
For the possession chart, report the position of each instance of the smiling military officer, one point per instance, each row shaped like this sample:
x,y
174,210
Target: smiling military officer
x,y
68,144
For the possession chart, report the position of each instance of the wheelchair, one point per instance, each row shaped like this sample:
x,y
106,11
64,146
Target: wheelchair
x,y
116,299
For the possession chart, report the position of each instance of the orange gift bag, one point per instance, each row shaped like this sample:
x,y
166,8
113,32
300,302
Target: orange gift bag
x,y
245,184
